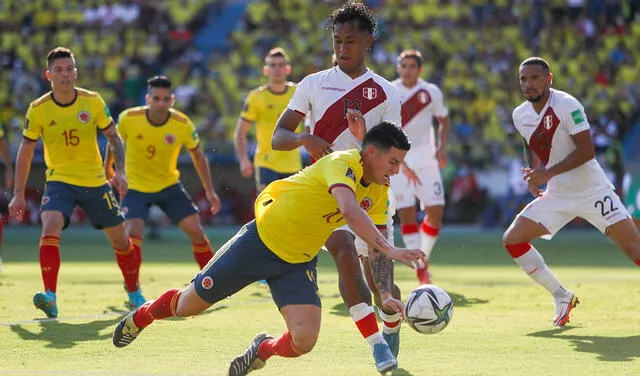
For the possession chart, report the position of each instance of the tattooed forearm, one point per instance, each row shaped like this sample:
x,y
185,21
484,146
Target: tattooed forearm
x,y
117,149
381,267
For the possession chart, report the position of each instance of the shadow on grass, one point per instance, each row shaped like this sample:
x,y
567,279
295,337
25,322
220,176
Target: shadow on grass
x,y
401,372
608,349
64,335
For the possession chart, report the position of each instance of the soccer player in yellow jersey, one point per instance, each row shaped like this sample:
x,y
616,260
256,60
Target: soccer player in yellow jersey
x,y
263,106
294,217
8,177
66,118
153,136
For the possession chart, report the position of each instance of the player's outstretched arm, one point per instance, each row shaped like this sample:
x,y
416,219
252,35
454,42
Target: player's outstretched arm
x,y
240,146
116,147
23,167
360,222
201,164
382,273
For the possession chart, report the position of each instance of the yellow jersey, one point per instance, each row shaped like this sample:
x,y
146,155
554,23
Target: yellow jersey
x,y
296,215
152,151
69,136
263,107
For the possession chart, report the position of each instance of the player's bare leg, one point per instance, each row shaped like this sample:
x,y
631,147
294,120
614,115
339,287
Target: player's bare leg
x,y
129,258
626,236
49,252
191,226
517,240
303,326
636,222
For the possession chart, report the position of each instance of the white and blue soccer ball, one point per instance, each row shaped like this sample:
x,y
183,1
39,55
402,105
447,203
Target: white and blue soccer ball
x,y
428,309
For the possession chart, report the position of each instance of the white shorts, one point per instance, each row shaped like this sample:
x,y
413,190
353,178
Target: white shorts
x,y
361,246
602,209
430,192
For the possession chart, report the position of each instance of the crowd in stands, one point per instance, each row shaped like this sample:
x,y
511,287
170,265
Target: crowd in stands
x,y
472,50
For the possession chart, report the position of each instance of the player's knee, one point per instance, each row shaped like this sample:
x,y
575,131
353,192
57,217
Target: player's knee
x,y
304,340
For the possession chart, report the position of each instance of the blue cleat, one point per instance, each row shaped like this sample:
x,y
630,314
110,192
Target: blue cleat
x,y
46,302
385,361
393,340
136,299
263,283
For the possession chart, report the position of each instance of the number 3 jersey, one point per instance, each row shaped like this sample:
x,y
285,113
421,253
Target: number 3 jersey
x,y
326,95
548,135
152,151
296,215
69,136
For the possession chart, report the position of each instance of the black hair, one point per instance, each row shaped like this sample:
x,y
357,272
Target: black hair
x,y
58,53
386,135
411,54
534,60
354,11
159,81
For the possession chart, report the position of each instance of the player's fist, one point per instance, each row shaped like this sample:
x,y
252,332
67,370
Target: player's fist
x,y
392,304
120,184
316,146
246,168
16,207
214,202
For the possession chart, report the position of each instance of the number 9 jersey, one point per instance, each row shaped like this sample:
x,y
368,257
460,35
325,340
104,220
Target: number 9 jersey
x,y
152,151
69,136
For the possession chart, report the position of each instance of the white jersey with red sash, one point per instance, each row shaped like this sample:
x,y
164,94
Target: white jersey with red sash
x,y
326,95
420,104
548,134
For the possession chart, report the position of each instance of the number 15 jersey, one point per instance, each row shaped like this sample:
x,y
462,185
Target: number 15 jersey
x,y
326,95
69,135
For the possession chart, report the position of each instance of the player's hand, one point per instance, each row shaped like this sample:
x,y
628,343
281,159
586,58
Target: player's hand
x,y
536,177
410,257
392,304
410,174
16,206
214,202
316,146
534,190
246,168
356,123
441,155
120,184
109,173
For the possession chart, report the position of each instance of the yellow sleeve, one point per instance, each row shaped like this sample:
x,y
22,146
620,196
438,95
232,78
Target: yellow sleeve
x,y
380,209
192,140
103,115
338,173
32,125
250,108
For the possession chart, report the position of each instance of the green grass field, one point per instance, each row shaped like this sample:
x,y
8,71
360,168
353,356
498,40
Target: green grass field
x,y
501,323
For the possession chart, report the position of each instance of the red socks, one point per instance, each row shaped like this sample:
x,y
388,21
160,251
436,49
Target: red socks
x,y
50,261
282,346
129,260
517,250
202,252
161,308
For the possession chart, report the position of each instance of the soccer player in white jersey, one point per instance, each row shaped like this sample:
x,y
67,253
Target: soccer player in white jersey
x,y
420,173
328,97
555,128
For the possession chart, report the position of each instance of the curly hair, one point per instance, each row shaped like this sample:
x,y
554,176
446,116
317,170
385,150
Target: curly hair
x,y
354,11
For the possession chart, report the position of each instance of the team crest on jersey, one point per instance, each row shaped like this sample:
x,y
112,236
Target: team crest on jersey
x,y
548,121
84,117
423,97
169,139
370,93
207,283
350,174
366,203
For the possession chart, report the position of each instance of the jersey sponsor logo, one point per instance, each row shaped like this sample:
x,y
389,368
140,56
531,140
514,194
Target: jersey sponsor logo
x,y
350,174
169,139
366,203
548,121
577,117
332,88
52,123
84,117
207,283
370,93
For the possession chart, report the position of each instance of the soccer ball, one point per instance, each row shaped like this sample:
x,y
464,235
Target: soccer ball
x,y
428,309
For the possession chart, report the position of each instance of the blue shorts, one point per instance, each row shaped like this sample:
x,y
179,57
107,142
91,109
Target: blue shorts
x,y
245,259
266,176
99,203
173,200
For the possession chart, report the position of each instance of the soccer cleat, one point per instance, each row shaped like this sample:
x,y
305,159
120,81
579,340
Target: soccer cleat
x,y
136,300
385,361
393,340
126,331
46,302
563,308
248,361
263,283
